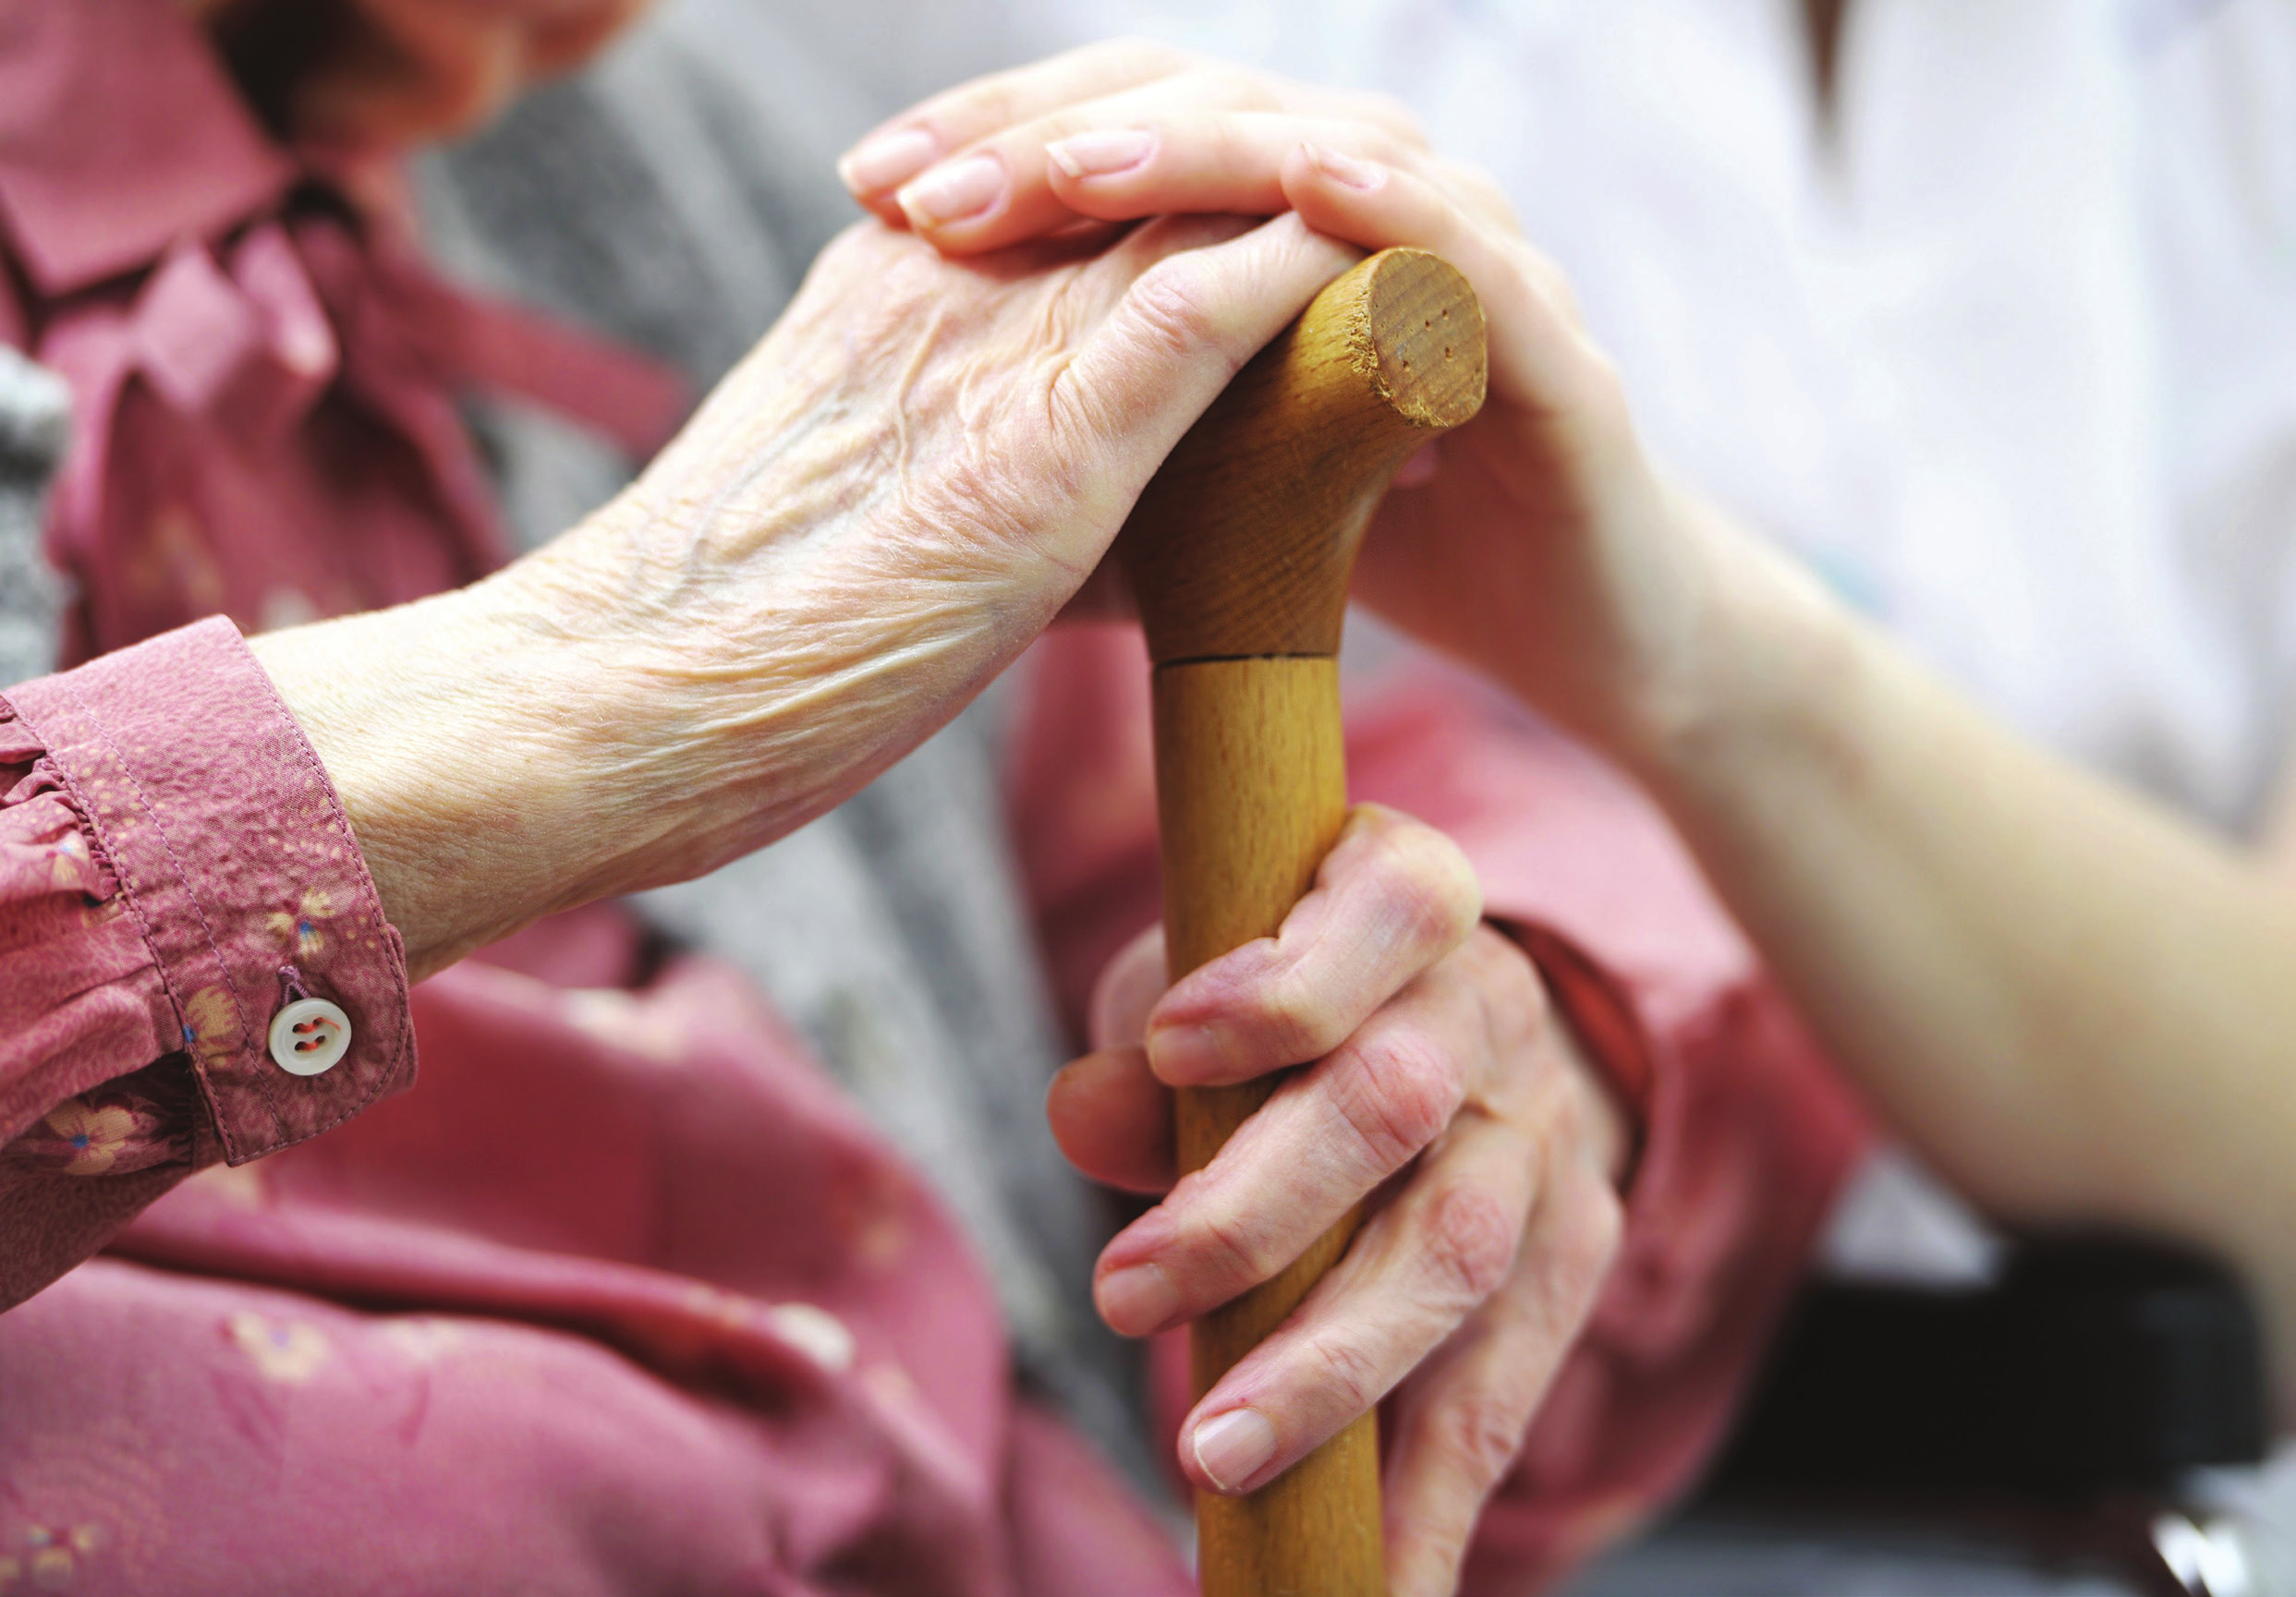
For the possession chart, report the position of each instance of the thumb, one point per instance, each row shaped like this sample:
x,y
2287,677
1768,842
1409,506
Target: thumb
x,y
1129,985
1165,349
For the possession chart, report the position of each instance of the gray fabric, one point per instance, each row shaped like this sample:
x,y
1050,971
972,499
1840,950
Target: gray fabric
x,y
35,410
889,933
672,201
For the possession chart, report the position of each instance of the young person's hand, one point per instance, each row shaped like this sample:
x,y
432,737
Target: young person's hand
x,y
1537,543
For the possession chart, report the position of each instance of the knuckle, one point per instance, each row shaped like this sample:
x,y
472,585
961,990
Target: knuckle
x,y
1482,1431
1554,287
991,103
1481,190
1045,130
1387,148
1240,89
1295,1017
1590,381
1080,417
1470,1242
1603,1233
1175,313
1606,389
1432,882
1579,1259
1347,1373
1515,996
1232,1248
1228,143
1403,1091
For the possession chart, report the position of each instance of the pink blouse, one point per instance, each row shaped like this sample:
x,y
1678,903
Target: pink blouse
x,y
622,1295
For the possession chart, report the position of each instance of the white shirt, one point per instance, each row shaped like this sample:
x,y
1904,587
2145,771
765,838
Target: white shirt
x,y
2011,359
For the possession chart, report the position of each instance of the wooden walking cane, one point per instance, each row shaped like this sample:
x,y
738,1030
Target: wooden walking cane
x,y
1239,554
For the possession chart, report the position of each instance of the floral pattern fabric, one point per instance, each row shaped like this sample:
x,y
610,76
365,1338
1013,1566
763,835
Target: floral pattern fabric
x,y
154,882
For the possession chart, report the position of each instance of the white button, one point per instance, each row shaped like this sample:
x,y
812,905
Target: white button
x,y
822,1335
310,1036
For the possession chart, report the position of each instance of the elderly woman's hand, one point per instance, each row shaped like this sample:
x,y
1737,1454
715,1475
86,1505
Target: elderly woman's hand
x,y
871,517
1439,1087
1536,542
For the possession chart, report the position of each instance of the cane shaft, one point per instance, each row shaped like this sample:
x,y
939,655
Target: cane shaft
x,y
1251,790
1239,553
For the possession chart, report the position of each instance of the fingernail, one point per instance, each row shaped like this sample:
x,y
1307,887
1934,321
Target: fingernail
x,y
1138,1300
1344,168
1233,1447
1097,154
1181,1054
887,159
954,192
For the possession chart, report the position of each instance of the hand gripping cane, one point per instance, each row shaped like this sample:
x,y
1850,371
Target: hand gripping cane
x,y
1239,554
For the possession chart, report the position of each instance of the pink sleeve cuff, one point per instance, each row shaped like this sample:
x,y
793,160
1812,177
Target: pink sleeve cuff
x,y
1601,1013
202,796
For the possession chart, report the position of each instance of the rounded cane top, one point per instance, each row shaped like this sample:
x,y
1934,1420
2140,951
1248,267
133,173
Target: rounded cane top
x,y
1423,327
1244,542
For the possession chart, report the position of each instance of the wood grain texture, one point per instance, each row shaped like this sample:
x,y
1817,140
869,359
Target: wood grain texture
x,y
1251,792
1244,541
1239,555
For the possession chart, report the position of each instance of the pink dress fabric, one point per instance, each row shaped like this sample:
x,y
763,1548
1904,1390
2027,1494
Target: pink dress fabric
x,y
621,1295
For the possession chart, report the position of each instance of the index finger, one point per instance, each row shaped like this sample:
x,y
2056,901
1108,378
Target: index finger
x,y
1392,899
897,150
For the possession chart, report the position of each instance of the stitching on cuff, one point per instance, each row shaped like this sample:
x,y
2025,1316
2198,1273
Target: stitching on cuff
x,y
371,901
390,1065
90,818
192,890
382,1077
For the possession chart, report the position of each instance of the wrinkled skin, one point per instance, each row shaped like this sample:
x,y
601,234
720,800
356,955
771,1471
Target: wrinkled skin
x,y
897,490
1440,1086
871,517
1536,543
922,464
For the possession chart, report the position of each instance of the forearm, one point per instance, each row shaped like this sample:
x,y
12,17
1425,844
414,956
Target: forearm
x,y
2079,1008
475,762
599,719
517,748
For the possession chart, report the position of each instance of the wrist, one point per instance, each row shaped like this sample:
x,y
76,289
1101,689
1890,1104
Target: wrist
x,y
1668,616
1763,661
466,735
